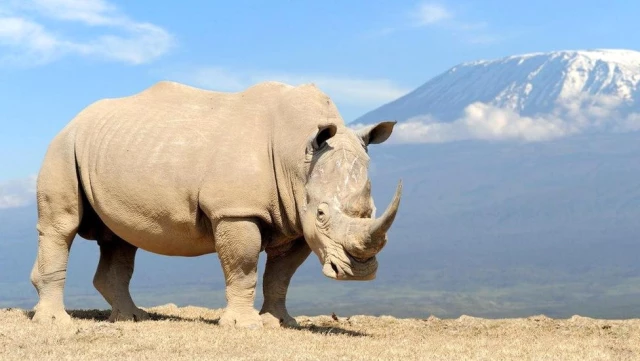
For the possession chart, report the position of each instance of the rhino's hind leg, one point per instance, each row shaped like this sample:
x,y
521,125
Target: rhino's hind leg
x,y
50,271
112,278
277,275
59,213
238,244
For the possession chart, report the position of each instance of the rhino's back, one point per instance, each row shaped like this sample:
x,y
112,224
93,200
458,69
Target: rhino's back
x,y
143,160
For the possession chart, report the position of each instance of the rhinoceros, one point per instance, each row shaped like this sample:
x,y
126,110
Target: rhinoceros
x,y
181,171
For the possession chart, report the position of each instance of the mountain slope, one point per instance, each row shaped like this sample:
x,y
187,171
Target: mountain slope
x,y
528,84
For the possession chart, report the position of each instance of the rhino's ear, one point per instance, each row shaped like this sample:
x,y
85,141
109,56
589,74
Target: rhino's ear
x,y
325,132
377,133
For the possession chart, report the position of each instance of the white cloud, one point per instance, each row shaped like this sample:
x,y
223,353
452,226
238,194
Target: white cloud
x,y
31,32
482,121
17,192
485,122
27,38
90,12
430,13
349,90
630,123
214,78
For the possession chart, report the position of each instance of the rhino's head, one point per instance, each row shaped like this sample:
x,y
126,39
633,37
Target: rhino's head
x,y
338,219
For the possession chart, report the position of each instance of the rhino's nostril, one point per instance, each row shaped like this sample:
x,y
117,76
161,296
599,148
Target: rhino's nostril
x,y
334,268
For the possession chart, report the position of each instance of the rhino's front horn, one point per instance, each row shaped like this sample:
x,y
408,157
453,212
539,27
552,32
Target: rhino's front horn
x,y
368,236
380,226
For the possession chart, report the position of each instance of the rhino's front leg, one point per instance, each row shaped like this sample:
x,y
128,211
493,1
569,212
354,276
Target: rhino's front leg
x,y
238,245
277,275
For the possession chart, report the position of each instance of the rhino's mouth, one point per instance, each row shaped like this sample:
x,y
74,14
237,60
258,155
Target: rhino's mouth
x,y
348,267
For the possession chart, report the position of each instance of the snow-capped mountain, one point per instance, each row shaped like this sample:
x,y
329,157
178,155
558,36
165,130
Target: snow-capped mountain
x,y
528,85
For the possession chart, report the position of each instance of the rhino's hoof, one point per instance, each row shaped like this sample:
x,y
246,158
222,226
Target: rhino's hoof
x,y
290,322
128,315
241,318
47,316
270,320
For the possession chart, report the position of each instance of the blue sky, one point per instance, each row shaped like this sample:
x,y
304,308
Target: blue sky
x,y
58,56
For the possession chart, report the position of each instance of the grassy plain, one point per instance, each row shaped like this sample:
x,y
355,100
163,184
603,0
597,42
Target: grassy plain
x,y
192,333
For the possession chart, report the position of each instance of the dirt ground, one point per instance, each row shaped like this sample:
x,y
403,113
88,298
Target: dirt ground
x,y
192,333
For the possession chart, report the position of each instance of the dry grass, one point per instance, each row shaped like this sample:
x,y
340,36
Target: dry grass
x,y
192,333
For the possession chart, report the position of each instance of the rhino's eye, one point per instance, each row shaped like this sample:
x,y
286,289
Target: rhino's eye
x,y
321,213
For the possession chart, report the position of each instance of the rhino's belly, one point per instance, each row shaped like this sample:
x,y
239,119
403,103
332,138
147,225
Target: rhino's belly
x,y
162,238
159,225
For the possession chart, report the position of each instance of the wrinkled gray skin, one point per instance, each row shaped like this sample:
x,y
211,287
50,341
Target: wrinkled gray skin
x,y
181,171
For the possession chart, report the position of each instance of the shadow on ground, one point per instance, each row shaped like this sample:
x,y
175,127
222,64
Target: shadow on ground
x,y
330,330
103,316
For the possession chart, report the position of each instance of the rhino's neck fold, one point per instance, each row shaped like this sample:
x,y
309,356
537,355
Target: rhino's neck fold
x,y
289,189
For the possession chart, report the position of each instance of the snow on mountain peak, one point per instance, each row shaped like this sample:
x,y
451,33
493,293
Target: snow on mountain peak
x,y
617,56
538,91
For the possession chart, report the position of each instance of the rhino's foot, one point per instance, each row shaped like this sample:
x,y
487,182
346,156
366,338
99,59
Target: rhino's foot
x,y
49,314
245,318
130,314
275,320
